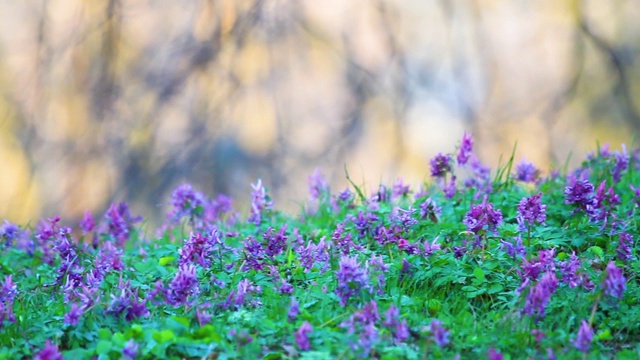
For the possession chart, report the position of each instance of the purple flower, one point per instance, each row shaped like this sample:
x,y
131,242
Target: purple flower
x,y
526,172
87,224
514,250
317,185
302,336
364,223
49,352
481,179
74,315
404,218
466,147
580,193
614,283
254,254
342,241
314,254
531,211
429,209
430,248
119,222
540,294
276,242
582,341
636,192
130,350
197,249
186,202
399,189
450,189
459,251
9,290
352,279
260,203
294,309
483,217
345,196
202,315
377,265
494,354
440,165
183,286
621,163
439,334
569,269
625,244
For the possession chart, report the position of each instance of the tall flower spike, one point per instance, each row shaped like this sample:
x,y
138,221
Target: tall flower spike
x,y
582,341
440,165
352,279
302,336
531,211
614,283
527,172
466,147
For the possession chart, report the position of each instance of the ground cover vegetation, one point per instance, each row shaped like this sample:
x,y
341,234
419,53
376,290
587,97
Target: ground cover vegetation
x,y
505,264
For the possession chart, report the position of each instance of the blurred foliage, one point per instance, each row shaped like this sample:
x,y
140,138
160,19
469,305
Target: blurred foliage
x,y
116,99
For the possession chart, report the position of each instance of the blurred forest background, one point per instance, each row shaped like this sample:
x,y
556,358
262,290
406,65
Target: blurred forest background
x,y
114,100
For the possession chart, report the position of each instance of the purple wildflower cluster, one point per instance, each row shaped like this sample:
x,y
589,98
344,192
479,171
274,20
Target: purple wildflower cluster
x,y
483,217
527,172
580,194
8,294
352,279
260,203
614,283
531,211
466,149
440,165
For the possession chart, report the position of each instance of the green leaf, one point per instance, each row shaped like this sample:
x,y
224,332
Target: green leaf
x,y
163,336
104,334
479,273
605,335
103,347
495,288
166,260
597,250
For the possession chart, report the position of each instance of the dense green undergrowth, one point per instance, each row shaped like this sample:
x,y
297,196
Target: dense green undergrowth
x,y
475,264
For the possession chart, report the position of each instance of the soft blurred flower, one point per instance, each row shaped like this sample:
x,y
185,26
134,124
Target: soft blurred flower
x,y
483,217
49,352
466,147
614,283
74,315
439,334
352,279
440,165
531,211
302,336
582,341
527,172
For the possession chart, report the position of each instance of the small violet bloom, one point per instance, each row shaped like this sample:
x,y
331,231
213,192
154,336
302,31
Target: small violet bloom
x,y
294,309
625,244
49,352
74,315
531,211
614,283
352,278
582,341
130,350
483,217
440,165
527,172
466,147
439,334
302,336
